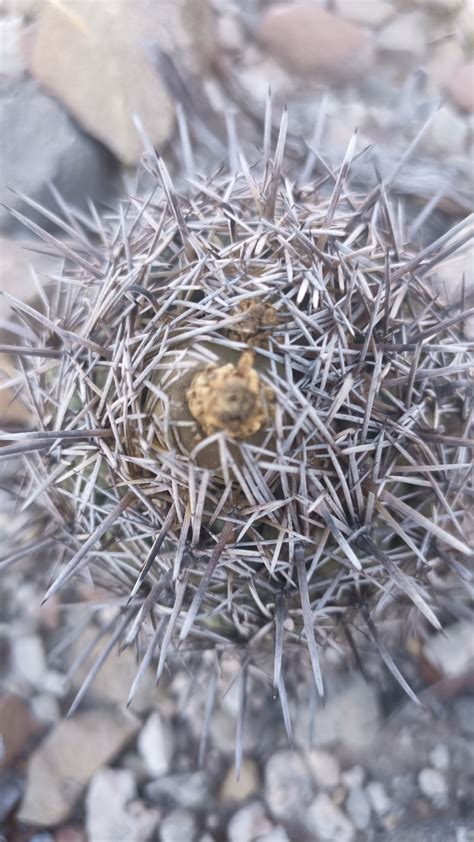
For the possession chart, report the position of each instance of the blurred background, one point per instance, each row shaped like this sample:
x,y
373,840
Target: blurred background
x,y
82,82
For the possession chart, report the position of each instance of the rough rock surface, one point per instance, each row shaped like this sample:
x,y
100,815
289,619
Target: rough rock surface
x,y
66,760
461,86
117,78
287,786
40,144
17,726
113,811
308,39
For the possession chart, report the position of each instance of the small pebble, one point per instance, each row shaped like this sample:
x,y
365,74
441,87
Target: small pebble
x,y
433,784
229,33
368,12
183,789
54,683
329,822
461,86
12,57
247,784
439,757
324,768
288,787
358,807
464,712
11,790
452,652
291,30
249,823
276,834
404,34
154,745
29,659
378,798
353,777
178,826
45,708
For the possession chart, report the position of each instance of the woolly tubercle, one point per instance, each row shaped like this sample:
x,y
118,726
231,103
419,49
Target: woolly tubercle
x,y
230,398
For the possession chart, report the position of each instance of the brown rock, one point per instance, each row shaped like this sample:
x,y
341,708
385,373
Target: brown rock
x,y
67,759
310,40
461,86
97,59
13,413
17,725
70,834
16,277
92,58
248,783
115,678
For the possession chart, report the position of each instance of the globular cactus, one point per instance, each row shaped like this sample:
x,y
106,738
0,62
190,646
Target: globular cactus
x,y
252,418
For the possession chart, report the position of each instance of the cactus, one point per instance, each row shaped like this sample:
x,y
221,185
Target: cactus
x,y
252,419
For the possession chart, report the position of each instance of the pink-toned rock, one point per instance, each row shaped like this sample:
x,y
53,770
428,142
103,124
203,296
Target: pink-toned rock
x,y
461,86
70,834
67,759
17,726
310,40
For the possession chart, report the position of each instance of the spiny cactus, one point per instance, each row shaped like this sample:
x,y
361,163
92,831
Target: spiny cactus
x,y
252,418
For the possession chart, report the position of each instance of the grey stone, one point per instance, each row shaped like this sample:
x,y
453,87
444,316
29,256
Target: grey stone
x,y
229,33
39,145
45,708
465,22
155,745
12,57
29,659
433,784
452,652
187,790
11,790
447,134
66,760
288,787
328,821
114,813
431,831
276,834
114,679
444,59
464,711
405,34
324,768
447,6
378,798
179,825
358,807
350,716
342,121
249,823
439,757
369,12
25,8
353,777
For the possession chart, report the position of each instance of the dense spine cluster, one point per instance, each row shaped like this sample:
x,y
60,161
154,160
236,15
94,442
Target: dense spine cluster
x,y
252,417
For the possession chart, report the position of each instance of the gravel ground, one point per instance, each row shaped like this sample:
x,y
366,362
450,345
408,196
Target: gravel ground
x,y
370,765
